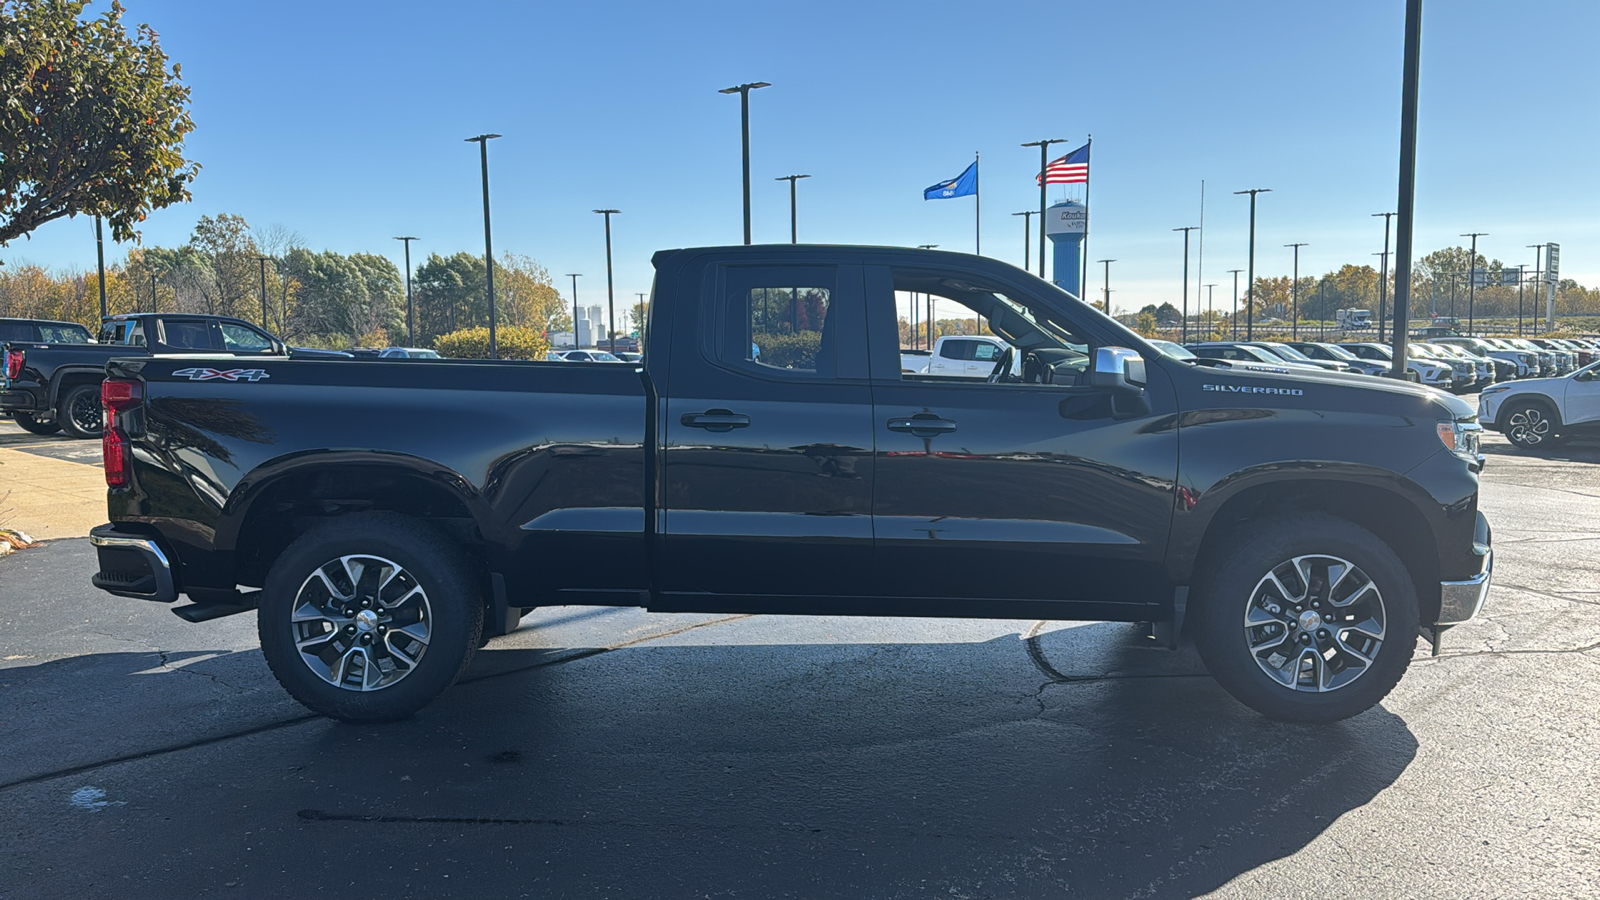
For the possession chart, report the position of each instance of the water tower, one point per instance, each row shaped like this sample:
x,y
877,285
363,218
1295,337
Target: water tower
x,y
1064,224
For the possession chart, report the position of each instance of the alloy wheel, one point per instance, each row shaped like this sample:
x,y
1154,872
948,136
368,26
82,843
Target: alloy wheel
x,y
1315,623
1528,427
361,623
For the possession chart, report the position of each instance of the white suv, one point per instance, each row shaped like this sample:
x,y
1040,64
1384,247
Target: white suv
x,y
1541,412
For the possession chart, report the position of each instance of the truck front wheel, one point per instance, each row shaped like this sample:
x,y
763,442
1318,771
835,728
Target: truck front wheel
x,y
369,617
79,411
1307,618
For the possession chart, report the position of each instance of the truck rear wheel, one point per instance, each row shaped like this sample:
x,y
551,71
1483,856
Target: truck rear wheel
x,y
1307,618
369,617
34,426
79,411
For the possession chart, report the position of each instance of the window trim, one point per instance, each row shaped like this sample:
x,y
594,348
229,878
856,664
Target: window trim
x,y
714,329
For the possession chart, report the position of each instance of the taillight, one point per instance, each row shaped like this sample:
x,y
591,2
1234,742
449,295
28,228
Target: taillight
x,y
117,395
14,360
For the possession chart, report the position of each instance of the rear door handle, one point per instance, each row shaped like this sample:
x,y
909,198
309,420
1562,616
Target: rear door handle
x,y
716,420
922,425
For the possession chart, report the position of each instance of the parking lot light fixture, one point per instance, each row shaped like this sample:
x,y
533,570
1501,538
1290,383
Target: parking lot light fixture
x,y
1027,249
1044,163
1294,289
411,325
1472,274
1250,278
794,231
1383,282
1106,282
1233,323
482,140
1185,330
931,335
263,261
743,90
611,299
575,276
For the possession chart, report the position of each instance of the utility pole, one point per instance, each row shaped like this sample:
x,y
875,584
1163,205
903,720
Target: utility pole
x,y
411,324
931,335
1185,330
1519,301
1250,281
1538,249
154,301
1107,284
1044,163
794,231
1233,323
576,344
100,257
639,325
1294,289
743,90
1211,307
611,300
1407,193
263,261
488,244
1383,277
1027,219
1472,275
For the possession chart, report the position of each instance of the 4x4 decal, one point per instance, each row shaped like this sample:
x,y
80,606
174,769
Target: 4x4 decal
x,y
209,374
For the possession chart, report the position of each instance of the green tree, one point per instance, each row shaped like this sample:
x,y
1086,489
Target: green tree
x,y
330,298
448,294
525,295
229,283
92,121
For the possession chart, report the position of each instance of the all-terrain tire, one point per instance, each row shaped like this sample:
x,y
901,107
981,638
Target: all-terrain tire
x,y
385,658
1330,557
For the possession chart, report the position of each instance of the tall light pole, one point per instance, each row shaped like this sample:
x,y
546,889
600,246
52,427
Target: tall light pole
x,y
1519,301
1472,274
743,90
1211,307
1044,163
794,229
1537,271
1383,277
100,257
1107,285
1233,323
1186,229
411,323
1407,192
263,261
1250,279
1027,249
929,323
488,245
576,344
611,300
639,325
1294,289
154,301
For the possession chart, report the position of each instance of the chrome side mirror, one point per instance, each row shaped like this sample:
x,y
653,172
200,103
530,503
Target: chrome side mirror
x,y
1118,368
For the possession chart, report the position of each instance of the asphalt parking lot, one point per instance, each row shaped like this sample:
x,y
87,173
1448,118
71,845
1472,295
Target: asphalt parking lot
x,y
611,752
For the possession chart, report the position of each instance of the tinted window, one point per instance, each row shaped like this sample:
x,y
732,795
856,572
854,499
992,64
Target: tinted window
x,y
64,334
776,320
187,334
16,331
240,338
956,349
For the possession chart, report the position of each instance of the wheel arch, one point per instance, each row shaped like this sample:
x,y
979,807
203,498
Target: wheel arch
x,y
1544,400
67,378
1389,514
280,500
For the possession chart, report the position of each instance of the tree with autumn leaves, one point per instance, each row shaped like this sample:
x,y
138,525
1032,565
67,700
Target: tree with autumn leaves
x,y
92,119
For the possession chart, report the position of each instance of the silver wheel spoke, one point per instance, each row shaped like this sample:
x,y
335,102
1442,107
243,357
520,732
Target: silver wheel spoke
x,y
381,643
1319,643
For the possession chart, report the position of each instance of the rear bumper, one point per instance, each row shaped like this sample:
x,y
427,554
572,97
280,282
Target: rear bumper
x,y
132,565
1460,601
12,401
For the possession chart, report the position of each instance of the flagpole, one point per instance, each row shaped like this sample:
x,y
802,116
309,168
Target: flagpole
x,y
1083,277
977,208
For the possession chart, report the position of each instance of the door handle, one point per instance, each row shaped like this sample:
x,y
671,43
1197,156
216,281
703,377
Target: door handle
x,y
922,425
716,420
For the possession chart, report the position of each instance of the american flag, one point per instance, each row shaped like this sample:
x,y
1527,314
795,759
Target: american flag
x,y
1070,169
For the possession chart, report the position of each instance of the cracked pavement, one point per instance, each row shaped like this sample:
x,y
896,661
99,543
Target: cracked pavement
x,y
610,752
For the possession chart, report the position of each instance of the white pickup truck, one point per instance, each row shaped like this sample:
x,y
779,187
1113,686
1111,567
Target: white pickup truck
x,y
956,355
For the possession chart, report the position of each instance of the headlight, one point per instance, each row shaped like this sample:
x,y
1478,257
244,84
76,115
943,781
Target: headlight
x,y
1494,389
1461,437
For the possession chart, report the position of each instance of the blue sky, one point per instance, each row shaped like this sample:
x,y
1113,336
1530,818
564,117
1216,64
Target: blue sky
x,y
345,120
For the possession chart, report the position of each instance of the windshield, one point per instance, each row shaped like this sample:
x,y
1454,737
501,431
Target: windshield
x,y
1287,352
1383,350
602,356
1170,349
1339,353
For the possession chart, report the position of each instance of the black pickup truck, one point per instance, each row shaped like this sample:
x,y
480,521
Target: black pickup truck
x,y
769,455
50,385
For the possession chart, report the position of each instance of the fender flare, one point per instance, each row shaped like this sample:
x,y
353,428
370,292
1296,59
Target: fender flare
x,y
62,374
1544,400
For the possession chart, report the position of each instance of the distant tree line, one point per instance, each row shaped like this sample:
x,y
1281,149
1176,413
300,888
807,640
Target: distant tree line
x,y
324,299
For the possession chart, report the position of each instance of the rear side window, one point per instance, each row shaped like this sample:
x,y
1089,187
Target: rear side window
x,y
64,334
240,338
775,320
16,331
187,334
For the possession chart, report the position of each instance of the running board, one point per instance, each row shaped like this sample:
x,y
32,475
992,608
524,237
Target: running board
x,y
205,612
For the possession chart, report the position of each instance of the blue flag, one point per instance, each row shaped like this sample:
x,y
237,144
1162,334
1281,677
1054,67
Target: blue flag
x,y
962,185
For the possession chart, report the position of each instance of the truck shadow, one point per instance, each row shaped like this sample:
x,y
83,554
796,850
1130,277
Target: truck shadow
x,y
1072,761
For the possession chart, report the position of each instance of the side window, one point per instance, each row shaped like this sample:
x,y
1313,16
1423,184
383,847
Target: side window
x,y
16,331
775,320
241,339
956,350
136,334
984,351
63,334
187,334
